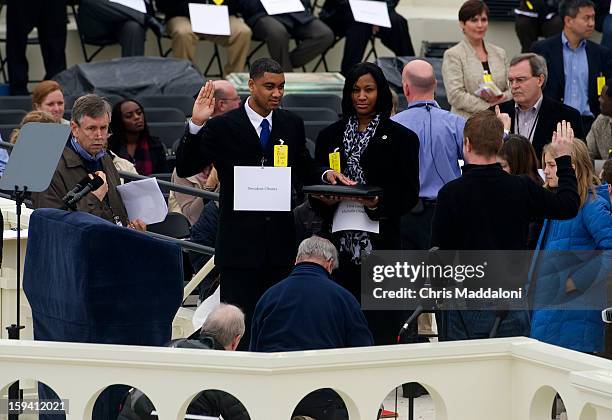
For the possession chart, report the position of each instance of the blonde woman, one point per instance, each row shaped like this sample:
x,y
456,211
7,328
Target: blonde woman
x,y
590,230
474,63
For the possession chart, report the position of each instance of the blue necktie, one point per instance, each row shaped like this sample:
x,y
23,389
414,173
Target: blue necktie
x,y
265,133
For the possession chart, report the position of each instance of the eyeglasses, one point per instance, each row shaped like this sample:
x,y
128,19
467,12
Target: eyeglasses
x,y
519,80
237,98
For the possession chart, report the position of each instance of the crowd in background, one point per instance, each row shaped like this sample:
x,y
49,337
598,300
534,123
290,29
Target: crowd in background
x,y
564,77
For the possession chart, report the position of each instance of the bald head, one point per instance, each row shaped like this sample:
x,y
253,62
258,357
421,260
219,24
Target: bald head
x,y
226,97
419,81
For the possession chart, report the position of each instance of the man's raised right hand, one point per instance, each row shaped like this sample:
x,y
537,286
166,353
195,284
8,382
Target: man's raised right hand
x,y
204,105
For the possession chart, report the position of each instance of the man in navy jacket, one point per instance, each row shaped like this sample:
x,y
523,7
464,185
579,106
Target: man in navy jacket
x,y
308,310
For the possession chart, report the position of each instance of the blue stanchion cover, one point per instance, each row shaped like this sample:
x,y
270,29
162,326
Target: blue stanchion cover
x,y
90,281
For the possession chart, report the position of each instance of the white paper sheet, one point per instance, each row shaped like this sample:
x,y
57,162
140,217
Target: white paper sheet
x,y
209,19
144,200
12,234
262,189
138,5
277,7
372,12
352,216
205,308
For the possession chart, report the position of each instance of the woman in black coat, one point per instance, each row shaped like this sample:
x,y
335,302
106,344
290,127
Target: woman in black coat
x,y
374,150
131,139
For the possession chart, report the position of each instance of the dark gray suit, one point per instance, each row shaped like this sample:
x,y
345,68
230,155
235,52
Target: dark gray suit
x,y
101,21
313,37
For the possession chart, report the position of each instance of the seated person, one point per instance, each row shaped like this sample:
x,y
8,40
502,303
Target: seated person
x,y
312,36
131,140
32,116
222,330
184,41
85,155
188,205
105,21
48,96
599,139
337,15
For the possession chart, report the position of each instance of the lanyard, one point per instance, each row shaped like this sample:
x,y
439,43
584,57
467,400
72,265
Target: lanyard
x,y
533,126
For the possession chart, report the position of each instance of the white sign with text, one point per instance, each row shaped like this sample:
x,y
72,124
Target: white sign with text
x,y
352,216
259,188
277,7
372,12
209,19
138,5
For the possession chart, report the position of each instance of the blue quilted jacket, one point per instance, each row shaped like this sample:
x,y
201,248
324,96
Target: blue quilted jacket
x,y
591,229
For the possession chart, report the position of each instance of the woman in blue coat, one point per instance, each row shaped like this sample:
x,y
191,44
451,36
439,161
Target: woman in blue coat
x,y
566,278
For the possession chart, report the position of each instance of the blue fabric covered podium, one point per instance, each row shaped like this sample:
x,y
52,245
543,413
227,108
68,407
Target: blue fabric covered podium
x,y
90,281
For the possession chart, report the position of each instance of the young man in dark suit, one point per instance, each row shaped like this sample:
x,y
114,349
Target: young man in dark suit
x,y
574,62
254,249
488,209
531,113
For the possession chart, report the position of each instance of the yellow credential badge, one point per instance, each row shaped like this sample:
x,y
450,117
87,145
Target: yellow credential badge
x,y
334,160
281,154
601,82
487,77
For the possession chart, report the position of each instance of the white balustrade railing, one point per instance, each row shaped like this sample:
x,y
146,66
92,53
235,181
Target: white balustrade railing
x,y
498,379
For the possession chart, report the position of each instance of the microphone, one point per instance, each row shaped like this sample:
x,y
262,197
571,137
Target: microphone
x,y
92,185
418,311
78,187
606,315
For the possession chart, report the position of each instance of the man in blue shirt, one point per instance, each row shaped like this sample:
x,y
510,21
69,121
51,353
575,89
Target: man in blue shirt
x,y
574,62
441,138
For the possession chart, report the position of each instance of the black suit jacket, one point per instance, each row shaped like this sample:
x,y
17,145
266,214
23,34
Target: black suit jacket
x,y
249,239
551,112
600,62
391,161
252,10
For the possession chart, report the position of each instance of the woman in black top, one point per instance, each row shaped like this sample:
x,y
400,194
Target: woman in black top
x,y
377,151
131,139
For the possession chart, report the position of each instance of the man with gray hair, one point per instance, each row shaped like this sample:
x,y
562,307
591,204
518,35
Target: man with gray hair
x,y
530,113
83,156
441,137
222,330
308,310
